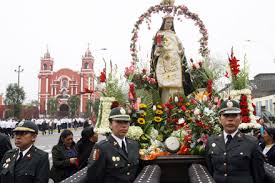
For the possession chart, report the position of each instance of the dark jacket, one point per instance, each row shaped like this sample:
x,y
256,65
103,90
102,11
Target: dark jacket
x,y
84,149
5,145
109,164
270,156
61,164
240,162
32,168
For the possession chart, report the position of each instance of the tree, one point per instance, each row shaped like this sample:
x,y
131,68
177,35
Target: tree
x,y
52,106
73,103
15,96
88,108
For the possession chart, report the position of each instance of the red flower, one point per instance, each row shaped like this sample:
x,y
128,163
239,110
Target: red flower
x,y
183,108
131,93
159,40
233,63
102,77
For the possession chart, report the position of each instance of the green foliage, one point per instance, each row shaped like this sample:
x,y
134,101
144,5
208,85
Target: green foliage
x,y
241,81
52,106
88,107
114,89
73,102
96,106
15,96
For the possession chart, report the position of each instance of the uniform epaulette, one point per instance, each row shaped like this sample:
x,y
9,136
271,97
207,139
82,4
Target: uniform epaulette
x,y
39,151
11,151
250,138
102,142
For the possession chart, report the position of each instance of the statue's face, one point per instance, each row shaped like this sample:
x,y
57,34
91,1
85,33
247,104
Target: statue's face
x,y
168,24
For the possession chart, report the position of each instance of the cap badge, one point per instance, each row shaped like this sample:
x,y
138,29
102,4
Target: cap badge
x,y
122,111
20,124
229,104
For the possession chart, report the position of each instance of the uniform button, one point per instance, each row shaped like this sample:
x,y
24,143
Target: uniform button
x,y
128,164
225,174
224,153
128,173
115,164
224,164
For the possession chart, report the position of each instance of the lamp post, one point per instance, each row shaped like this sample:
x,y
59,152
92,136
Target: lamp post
x,y
19,70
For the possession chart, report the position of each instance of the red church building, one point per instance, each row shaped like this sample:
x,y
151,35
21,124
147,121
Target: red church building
x,y
64,83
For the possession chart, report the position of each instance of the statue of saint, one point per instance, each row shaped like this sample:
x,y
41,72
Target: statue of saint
x,y
168,62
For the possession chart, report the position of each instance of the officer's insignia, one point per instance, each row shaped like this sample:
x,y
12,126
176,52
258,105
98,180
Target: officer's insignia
x,y
115,143
29,156
239,135
114,158
122,111
21,123
229,104
8,160
13,155
118,158
6,166
213,145
96,154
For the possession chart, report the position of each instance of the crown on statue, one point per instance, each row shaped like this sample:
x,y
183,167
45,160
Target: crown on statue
x,y
167,2
168,16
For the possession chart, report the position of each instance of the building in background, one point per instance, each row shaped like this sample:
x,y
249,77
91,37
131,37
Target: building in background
x,y
264,93
64,83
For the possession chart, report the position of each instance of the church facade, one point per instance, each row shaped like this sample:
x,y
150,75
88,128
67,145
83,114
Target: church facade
x,y
64,83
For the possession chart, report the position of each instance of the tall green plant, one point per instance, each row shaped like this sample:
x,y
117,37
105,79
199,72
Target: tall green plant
x,y
52,106
74,102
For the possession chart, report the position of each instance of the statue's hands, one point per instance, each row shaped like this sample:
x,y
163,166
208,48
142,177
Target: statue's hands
x,y
158,50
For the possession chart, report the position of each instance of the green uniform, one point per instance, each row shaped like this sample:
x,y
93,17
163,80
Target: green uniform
x,y
241,161
32,168
109,164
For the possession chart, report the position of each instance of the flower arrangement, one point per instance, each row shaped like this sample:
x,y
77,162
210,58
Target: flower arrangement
x,y
241,92
168,7
134,132
140,79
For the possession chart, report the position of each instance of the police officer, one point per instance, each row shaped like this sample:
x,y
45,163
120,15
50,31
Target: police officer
x,y
26,163
116,159
233,157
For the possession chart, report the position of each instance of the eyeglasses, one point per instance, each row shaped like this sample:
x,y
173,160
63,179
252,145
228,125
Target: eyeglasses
x,y
230,115
20,133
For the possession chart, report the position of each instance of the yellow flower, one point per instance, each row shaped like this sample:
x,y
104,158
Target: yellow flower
x,y
142,106
141,121
157,119
159,106
159,112
187,103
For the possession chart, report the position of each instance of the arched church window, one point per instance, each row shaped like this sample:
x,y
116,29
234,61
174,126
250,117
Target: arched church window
x,y
45,67
86,66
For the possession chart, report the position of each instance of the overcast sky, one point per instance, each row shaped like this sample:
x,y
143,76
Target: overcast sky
x,y
67,26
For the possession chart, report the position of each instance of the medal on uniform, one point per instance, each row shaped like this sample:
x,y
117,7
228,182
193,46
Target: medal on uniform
x,y
8,160
6,166
118,158
213,145
96,154
114,158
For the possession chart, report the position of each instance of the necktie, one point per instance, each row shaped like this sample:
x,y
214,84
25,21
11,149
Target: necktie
x,y
229,138
20,157
124,148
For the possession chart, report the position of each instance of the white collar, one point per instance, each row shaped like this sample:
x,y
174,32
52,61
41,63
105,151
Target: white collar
x,y
119,140
232,134
25,151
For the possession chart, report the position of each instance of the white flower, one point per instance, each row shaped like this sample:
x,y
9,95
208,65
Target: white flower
x,y
197,111
154,133
154,107
181,120
176,99
134,132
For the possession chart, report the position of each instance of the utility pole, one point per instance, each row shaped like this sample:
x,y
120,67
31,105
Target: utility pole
x,y
19,70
